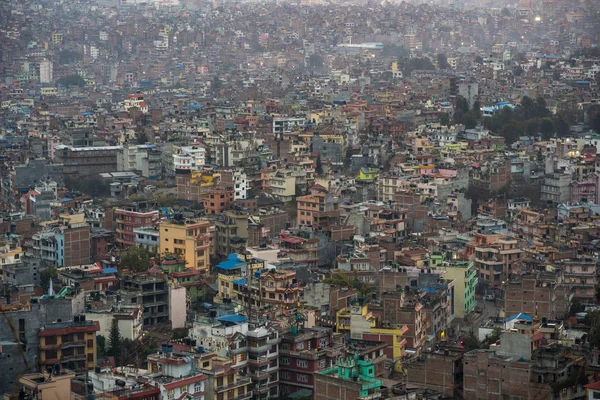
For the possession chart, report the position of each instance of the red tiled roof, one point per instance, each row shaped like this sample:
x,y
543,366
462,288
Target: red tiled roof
x,y
186,381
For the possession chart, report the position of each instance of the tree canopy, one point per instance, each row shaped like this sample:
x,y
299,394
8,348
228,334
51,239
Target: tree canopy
x,y
45,276
136,259
71,80
90,186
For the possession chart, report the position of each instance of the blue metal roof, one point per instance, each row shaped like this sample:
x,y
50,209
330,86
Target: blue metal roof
x,y
109,271
232,262
518,316
233,318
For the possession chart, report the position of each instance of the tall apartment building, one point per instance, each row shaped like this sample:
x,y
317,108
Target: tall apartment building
x,y
64,246
46,71
496,259
190,240
556,188
87,161
150,292
304,353
314,205
231,233
70,344
128,219
350,378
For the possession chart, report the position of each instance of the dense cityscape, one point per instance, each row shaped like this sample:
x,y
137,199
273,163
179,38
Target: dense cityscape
x,y
299,199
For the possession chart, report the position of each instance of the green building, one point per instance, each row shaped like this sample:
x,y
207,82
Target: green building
x,y
350,378
464,275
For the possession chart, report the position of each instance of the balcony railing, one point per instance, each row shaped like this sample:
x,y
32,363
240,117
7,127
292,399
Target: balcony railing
x,y
239,382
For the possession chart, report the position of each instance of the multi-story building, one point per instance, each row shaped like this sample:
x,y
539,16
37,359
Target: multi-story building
x,y
70,344
282,125
64,246
281,184
263,361
128,219
54,385
465,280
440,370
189,157
303,354
218,200
493,374
144,158
152,293
148,237
581,277
350,378
556,188
231,233
312,206
276,292
87,161
46,71
129,320
496,258
534,295
300,249
189,240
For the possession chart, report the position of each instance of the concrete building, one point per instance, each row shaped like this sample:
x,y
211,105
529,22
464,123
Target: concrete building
x,y
70,344
312,207
556,188
465,280
46,71
350,378
440,370
231,233
87,161
129,320
19,335
303,354
130,218
187,239
55,385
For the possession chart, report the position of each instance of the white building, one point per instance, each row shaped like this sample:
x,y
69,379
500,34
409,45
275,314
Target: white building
x,y
46,71
240,184
189,157
283,125
129,320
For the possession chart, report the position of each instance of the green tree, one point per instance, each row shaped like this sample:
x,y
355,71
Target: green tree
x,y
136,259
68,57
71,80
319,165
462,104
471,342
91,186
115,340
477,110
595,122
442,61
469,121
547,128
492,337
444,118
100,346
45,276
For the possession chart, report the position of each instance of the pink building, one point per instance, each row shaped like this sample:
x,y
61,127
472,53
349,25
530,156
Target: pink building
x,y
586,190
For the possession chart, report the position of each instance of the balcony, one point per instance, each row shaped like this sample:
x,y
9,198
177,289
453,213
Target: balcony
x,y
258,361
79,343
238,383
243,349
258,375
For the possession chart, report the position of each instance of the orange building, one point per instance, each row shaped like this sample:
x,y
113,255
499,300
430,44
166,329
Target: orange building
x,y
217,201
314,205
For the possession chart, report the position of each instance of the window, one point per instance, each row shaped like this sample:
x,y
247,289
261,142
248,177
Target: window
x,y
198,387
285,361
302,363
302,378
171,394
90,343
300,346
184,388
90,357
285,375
322,364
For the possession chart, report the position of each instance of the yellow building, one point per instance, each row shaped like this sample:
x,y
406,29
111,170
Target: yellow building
x,y
367,174
71,345
52,386
235,268
190,240
10,257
